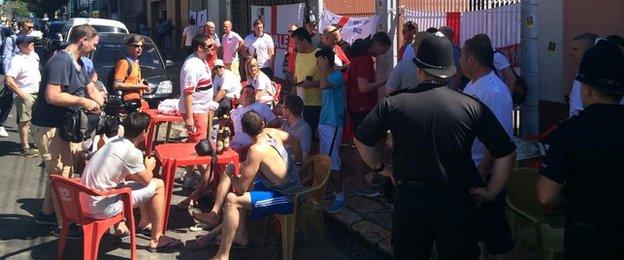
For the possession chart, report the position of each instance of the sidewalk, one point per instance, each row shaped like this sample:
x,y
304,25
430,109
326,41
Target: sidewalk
x,y
368,218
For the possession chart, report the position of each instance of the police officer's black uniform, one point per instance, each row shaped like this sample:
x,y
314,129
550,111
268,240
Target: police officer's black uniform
x,y
586,156
433,128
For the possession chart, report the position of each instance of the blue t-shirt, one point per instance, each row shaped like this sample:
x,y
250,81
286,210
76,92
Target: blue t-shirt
x,y
88,64
333,106
59,70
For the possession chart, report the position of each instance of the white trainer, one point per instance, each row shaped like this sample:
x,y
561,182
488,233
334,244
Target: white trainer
x,y
3,132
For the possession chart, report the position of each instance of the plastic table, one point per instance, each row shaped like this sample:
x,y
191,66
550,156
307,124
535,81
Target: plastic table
x,y
152,130
174,155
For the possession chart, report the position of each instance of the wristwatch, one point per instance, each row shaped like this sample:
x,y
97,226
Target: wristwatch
x,y
380,169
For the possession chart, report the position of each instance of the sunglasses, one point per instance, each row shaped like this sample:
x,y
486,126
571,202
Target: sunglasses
x,y
209,46
29,27
136,45
291,31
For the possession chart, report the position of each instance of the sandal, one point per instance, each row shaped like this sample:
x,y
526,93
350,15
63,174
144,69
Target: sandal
x,y
186,204
204,218
165,243
199,227
147,230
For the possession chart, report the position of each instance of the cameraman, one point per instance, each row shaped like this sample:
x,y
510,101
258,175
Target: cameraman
x,y
127,77
64,84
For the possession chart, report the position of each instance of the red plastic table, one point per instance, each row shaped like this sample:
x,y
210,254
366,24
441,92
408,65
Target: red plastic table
x,y
152,130
175,155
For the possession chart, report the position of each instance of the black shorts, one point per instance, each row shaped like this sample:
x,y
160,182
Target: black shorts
x,y
423,215
311,114
493,229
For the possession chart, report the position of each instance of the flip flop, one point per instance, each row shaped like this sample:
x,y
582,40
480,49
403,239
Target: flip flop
x,y
184,205
147,230
165,243
199,227
205,221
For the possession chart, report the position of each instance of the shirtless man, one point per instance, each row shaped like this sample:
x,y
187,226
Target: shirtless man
x,y
272,192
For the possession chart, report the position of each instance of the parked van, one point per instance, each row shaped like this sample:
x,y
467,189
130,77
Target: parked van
x,y
100,25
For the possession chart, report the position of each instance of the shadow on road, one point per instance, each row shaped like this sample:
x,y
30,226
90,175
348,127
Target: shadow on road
x,y
9,148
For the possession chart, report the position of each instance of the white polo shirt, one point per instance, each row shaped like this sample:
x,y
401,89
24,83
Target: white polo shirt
x,y
230,43
229,82
495,95
260,46
196,79
262,82
25,69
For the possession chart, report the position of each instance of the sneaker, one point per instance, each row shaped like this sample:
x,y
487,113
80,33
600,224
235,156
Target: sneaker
x,y
28,152
74,232
3,132
43,219
336,206
367,191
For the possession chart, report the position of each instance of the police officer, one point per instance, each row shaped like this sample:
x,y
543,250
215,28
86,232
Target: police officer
x,y
584,164
433,129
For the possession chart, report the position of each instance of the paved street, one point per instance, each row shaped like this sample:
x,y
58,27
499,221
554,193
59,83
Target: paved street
x,y
22,186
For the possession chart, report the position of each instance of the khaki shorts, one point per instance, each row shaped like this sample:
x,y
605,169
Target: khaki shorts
x,y
24,107
58,156
233,67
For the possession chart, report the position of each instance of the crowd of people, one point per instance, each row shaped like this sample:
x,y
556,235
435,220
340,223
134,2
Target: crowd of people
x,y
448,111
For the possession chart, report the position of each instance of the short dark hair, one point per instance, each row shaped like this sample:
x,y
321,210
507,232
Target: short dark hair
x,y
481,50
411,25
616,39
199,40
328,53
134,39
258,21
252,123
301,34
81,31
432,30
23,22
294,103
381,38
192,21
135,123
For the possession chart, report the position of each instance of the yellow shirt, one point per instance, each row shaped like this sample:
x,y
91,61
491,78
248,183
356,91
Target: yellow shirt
x,y
305,65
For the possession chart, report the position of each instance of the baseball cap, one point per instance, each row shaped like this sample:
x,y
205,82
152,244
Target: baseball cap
x,y
24,39
219,63
435,56
602,67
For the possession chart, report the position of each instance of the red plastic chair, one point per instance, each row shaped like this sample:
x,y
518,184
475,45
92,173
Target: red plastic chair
x,y
67,194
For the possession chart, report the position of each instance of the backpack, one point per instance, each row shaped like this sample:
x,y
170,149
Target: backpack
x,y
110,78
519,94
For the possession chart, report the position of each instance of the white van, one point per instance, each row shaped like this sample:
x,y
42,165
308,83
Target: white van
x,y
100,25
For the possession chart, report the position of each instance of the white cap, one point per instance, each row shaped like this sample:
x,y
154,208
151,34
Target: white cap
x,y
219,62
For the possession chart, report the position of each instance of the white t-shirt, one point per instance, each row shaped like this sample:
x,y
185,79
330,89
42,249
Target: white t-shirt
x,y
260,46
107,168
230,43
240,139
196,79
190,32
500,63
403,75
229,82
495,95
25,69
262,82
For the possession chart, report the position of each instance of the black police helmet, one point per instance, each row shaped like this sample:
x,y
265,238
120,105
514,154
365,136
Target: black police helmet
x,y
602,67
435,56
